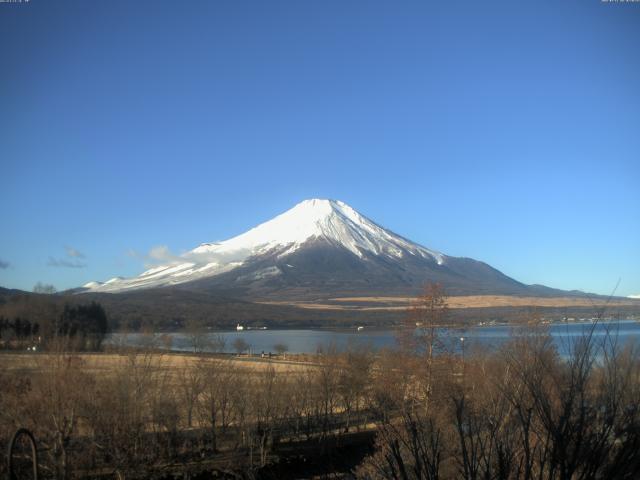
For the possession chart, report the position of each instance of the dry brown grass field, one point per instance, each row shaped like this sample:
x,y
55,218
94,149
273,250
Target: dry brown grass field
x,y
457,302
170,362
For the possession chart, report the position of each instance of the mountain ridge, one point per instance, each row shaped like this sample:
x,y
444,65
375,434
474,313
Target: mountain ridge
x,y
316,249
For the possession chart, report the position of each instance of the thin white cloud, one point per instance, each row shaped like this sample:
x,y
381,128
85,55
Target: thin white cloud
x,y
157,255
73,252
634,296
64,263
162,255
72,260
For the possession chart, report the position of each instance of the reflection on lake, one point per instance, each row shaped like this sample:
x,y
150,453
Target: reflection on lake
x,y
309,341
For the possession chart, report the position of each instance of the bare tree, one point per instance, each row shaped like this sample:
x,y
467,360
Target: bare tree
x,y
269,407
281,349
426,316
216,403
240,345
58,392
325,386
197,336
216,343
44,288
354,378
190,386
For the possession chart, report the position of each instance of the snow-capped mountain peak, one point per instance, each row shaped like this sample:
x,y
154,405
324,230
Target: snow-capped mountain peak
x,y
318,218
312,220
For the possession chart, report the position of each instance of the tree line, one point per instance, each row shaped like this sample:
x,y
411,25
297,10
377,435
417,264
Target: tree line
x,y
521,411
136,412
78,327
18,328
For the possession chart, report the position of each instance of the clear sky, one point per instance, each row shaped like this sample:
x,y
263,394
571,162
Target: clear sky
x,y
506,131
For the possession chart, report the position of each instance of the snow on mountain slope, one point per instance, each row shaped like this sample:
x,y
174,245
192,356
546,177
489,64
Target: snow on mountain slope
x,y
329,220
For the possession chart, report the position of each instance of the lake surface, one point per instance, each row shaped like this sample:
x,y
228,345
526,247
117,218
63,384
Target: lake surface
x,y
310,341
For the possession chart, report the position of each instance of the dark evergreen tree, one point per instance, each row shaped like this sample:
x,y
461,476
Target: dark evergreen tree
x,y
85,326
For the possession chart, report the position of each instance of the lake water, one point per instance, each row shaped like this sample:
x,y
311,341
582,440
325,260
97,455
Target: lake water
x,y
309,341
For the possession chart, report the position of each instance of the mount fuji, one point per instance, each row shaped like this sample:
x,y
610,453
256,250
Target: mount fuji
x,y
318,249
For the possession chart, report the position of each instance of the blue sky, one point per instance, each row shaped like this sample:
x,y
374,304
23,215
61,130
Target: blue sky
x,y
504,131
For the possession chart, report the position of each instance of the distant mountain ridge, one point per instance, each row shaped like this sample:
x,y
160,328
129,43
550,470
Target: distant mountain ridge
x,y
317,249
